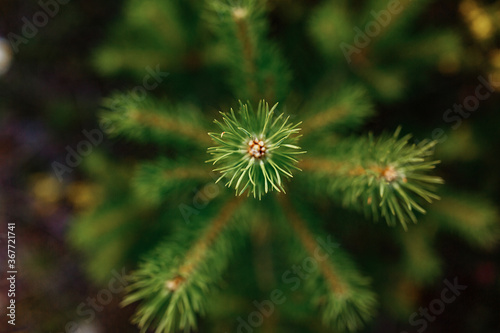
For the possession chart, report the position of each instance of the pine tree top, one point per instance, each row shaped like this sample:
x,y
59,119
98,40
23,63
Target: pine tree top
x,y
257,152
255,149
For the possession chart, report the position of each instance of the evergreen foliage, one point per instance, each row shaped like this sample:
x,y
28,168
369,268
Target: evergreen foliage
x,y
381,176
257,69
175,283
381,59
258,148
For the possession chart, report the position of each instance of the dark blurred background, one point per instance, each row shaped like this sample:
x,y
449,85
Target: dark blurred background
x,y
50,91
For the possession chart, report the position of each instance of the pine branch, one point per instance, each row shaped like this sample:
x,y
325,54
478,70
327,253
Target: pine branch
x,y
381,58
337,288
261,238
397,27
111,60
174,283
472,217
151,122
420,261
248,49
149,32
164,179
383,176
347,109
401,21
258,70
198,252
309,244
330,25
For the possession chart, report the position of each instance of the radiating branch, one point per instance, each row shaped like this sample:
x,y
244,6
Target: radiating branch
x,y
305,236
336,287
384,177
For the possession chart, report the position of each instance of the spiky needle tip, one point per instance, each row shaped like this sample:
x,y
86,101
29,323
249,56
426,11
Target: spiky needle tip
x,y
255,151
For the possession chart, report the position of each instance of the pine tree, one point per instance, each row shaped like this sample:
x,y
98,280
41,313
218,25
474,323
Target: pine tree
x,y
289,154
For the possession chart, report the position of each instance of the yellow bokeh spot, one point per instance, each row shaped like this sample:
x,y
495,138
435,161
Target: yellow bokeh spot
x,y
46,188
495,58
480,23
83,195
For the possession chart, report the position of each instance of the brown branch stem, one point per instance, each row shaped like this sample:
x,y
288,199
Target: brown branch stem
x,y
331,167
248,51
197,253
323,119
188,173
307,240
171,125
